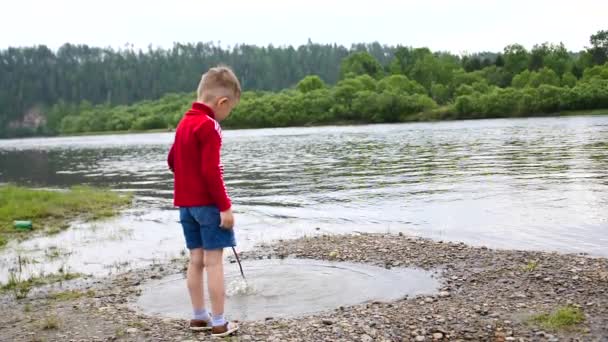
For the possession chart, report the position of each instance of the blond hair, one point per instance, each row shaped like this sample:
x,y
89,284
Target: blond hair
x,y
219,82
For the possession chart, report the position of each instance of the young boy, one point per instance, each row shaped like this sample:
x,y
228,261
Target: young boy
x,y
199,192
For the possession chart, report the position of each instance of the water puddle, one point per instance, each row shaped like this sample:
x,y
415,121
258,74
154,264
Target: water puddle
x,y
290,288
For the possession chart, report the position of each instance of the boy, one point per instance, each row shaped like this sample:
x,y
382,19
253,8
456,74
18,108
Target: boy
x,y
199,192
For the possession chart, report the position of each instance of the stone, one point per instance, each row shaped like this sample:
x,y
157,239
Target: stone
x,y
366,338
370,331
132,331
328,322
518,295
419,338
444,294
437,336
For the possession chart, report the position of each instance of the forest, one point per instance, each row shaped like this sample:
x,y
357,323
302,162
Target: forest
x,y
80,89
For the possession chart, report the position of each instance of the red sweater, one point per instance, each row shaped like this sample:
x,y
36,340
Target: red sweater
x,y
195,161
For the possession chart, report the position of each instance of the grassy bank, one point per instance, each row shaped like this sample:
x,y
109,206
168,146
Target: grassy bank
x,y
21,287
585,112
438,114
52,211
85,134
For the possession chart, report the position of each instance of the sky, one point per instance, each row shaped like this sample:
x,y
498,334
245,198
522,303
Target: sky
x,y
459,26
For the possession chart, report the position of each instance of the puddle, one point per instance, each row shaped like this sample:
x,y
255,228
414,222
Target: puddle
x,y
290,288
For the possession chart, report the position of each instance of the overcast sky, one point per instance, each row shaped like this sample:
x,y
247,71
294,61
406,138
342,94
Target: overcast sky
x,y
453,25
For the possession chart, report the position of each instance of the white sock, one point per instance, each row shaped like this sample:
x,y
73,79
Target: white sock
x,y
218,320
202,314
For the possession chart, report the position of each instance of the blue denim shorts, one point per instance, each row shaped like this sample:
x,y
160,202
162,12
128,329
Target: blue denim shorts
x,y
202,228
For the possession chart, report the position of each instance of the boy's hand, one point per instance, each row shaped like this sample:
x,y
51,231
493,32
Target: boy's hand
x,y
227,219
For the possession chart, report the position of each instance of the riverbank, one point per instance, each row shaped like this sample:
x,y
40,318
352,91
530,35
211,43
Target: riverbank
x,y
51,211
585,112
431,116
439,114
485,295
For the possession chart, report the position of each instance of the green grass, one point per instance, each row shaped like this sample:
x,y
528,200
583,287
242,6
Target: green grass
x,y
120,332
531,266
21,287
54,253
562,318
71,295
52,211
136,324
50,322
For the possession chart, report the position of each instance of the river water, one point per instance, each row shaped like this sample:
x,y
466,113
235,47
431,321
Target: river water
x,y
538,183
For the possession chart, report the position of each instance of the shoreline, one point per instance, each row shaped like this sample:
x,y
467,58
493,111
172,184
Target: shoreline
x,y
485,294
569,113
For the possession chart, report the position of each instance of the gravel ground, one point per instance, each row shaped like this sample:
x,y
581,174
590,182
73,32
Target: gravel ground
x,y
486,295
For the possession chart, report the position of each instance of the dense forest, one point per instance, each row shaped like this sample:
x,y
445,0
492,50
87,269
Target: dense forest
x,y
34,78
83,89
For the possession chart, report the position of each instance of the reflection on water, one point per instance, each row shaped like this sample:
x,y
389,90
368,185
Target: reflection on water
x,y
519,183
290,288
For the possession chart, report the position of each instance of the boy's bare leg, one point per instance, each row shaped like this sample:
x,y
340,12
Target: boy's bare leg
x,y
214,263
195,278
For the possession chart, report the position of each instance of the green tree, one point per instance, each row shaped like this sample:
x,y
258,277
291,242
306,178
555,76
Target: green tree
x,y
471,63
400,84
558,59
360,63
433,69
403,61
522,79
496,76
516,59
568,80
596,72
310,83
537,56
599,47
440,93
544,76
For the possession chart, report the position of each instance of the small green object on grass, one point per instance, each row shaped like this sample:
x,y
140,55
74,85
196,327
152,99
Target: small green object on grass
x,y
23,225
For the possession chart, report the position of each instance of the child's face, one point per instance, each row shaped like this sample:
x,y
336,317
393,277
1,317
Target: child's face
x,y
223,108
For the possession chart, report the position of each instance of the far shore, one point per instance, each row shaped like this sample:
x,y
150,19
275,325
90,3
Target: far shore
x,y
592,112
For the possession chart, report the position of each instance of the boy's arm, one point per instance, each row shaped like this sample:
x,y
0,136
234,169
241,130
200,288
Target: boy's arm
x,y
170,158
213,177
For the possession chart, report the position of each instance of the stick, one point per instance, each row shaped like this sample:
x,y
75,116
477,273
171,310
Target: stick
x,y
238,261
